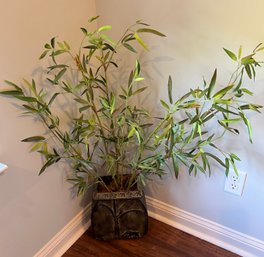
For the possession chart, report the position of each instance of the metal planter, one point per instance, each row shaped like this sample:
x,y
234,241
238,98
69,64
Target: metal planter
x,y
119,215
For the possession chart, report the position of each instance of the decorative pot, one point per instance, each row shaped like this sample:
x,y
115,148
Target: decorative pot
x,y
119,215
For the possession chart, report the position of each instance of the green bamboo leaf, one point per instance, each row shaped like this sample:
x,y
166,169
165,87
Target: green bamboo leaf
x,y
84,30
43,54
195,118
29,108
222,92
107,38
208,117
190,105
138,136
31,86
248,125
46,165
81,101
58,52
191,136
142,179
67,46
152,31
36,146
93,47
165,105
234,166
257,47
53,98
108,47
183,159
170,89
138,79
105,103
183,98
221,109
230,54
47,46
231,120
147,125
232,130
227,166
84,108
11,93
13,85
253,107
140,90
34,139
142,23
112,104
137,69
223,101
26,98
248,71
130,79
93,18
239,52
253,70
198,167
141,42
123,97
234,156
240,81
59,75
215,158
247,60
128,37
199,130
191,168
129,47
104,28
58,66
61,45
131,132
212,84
260,49
52,42
205,163
175,165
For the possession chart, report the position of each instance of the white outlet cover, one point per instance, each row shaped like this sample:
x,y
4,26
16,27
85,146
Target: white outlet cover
x,y
2,167
234,183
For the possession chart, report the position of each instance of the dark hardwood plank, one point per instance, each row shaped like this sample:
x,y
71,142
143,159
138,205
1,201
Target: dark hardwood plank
x,y
161,241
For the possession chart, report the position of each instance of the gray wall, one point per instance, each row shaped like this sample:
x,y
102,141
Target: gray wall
x,y
32,209
196,32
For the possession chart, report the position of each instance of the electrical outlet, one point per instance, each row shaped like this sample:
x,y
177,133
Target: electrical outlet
x,y
235,182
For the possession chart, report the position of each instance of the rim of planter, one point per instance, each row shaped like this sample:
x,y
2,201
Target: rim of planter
x,y
117,195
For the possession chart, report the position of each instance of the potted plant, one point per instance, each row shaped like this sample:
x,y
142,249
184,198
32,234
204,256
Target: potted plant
x,y
113,143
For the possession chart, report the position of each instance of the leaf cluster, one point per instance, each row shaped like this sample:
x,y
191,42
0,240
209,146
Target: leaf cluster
x,y
110,134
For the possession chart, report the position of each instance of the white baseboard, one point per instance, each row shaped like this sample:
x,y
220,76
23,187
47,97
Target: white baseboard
x,y
207,230
65,238
212,232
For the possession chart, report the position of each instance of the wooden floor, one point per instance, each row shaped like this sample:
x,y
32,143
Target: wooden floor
x,y
161,241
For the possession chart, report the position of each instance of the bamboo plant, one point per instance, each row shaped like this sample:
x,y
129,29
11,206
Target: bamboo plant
x,y
110,134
